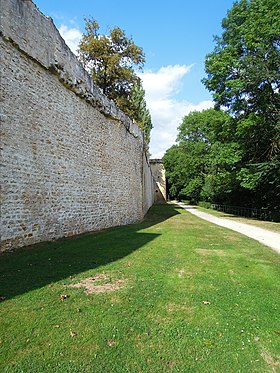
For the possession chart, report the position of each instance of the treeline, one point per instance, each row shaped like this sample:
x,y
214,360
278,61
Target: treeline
x,y
231,154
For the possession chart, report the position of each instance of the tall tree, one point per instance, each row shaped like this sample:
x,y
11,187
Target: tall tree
x,y
112,60
243,73
138,110
202,165
244,68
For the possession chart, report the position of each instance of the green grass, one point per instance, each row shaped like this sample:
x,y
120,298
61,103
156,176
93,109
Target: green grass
x,y
271,226
156,321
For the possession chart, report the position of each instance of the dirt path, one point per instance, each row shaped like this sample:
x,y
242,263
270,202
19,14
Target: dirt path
x,y
268,238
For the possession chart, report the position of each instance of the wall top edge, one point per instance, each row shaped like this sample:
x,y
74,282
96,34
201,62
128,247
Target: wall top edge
x,y
35,34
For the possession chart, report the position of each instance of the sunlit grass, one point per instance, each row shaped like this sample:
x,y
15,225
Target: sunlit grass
x,y
193,297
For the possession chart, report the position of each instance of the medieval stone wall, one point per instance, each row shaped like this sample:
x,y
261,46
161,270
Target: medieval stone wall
x,y
72,162
158,172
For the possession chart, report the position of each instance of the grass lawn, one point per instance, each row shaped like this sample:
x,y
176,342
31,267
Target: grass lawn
x,y
269,225
171,294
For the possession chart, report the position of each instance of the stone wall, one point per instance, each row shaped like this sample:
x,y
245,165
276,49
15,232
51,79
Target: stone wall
x,y
72,162
158,172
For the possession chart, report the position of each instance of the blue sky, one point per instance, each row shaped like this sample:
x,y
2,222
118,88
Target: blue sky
x,y
175,37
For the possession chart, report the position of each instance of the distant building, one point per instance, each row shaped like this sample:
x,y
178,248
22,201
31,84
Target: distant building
x,y
158,172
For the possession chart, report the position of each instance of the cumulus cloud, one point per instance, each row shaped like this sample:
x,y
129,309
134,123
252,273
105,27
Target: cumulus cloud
x,y
167,112
72,37
165,82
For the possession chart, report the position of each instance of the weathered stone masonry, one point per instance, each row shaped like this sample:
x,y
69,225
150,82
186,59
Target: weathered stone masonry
x,y
72,162
158,172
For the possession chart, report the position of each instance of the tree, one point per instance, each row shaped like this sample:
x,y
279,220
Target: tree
x,y
202,165
111,60
244,68
175,165
243,73
138,110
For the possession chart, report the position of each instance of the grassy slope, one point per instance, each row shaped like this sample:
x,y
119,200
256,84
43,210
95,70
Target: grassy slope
x,y
171,263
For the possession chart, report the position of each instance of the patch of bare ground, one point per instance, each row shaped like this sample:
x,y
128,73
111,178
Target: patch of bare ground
x,y
183,273
206,252
175,308
274,365
99,284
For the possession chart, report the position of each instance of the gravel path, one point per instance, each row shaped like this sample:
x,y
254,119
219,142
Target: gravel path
x,y
268,238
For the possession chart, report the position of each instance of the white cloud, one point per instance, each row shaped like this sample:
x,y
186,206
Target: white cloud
x,y
72,37
164,82
167,112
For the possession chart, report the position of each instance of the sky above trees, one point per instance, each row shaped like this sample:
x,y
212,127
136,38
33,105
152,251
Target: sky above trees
x,y
175,37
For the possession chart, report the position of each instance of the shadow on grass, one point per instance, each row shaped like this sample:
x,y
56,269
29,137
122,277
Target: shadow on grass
x,y
38,265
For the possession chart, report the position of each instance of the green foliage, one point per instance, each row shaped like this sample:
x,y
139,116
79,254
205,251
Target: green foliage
x,y
202,164
244,76
244,68
241,155
138,110
111,61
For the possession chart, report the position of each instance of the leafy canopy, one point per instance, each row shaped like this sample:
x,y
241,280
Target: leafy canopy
x,y
202,163
243,73
233,157
138,110
244,68
111,61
